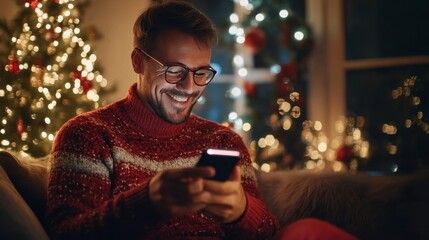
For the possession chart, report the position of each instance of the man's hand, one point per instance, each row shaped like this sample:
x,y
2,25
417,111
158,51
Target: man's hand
x,y
176,192
227,201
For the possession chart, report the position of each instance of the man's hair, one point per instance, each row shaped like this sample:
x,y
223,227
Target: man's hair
x,y
172,15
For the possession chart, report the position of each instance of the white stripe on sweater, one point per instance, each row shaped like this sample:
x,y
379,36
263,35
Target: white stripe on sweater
x,y
103,168
120,155
64,161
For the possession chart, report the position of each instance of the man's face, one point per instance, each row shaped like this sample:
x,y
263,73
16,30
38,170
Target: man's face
x,y
172,102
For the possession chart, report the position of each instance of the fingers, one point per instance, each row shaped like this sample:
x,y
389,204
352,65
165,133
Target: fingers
x,y
227,201
221,188
228,187
188,173
236,174
176,192
182,193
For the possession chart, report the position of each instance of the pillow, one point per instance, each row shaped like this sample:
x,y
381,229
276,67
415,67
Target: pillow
x,y
29,177
17,221
369,207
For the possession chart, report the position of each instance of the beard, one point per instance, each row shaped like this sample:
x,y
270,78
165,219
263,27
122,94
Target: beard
x,y
173,114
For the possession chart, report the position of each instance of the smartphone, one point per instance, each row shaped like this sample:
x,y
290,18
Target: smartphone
x,y
222,160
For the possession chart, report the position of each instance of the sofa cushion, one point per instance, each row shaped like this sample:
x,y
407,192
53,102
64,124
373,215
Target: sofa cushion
x,y
30,178
17,220
369,207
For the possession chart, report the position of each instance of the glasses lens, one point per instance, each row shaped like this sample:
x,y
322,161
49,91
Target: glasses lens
x,y
175,74
203,76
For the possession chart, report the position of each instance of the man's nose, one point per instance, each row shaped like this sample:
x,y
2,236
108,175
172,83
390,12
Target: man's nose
x,y
188,83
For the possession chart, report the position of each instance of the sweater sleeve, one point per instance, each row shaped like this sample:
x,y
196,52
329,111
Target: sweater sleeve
x,y
81,203
257,222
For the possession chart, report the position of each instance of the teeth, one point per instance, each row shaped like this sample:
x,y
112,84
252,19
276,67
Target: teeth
x,y
179,98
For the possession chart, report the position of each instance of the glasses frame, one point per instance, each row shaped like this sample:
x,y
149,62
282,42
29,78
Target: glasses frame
x,y
166,66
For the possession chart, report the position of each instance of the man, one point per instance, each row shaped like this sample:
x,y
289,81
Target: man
x,y
127,170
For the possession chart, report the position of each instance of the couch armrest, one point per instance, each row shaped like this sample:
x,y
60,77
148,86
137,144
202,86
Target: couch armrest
x,y
29,177
17,220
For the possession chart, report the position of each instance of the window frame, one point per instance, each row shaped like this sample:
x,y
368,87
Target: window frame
x,y
328,64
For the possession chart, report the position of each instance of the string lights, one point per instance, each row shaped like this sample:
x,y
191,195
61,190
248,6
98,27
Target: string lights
x,y
52,76
247,30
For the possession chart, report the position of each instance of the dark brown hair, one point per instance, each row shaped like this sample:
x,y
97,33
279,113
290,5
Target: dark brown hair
x,y
172,15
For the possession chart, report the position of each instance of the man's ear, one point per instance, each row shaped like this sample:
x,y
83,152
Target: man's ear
x,y
137,61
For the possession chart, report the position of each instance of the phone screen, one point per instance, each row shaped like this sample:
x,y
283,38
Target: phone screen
x,y
222,160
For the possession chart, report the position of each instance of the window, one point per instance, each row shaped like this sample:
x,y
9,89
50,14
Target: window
x,y
367,49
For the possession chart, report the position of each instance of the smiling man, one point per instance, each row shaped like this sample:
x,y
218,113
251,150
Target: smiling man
x,y
173,98
126,171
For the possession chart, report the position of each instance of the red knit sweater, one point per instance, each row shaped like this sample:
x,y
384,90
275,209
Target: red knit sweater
x,y
102,162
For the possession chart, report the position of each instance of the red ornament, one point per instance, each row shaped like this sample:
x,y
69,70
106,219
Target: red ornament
x,y
345,154
289,70
38,63
86,85
33,3
250,88
50,35
14,65
20,126
287,73
255,40
285,35
76,75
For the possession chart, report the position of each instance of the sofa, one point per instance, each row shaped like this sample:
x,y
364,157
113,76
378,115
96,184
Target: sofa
x,y
369,207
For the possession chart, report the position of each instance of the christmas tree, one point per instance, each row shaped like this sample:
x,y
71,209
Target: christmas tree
x,y
48,74
269,36
268,109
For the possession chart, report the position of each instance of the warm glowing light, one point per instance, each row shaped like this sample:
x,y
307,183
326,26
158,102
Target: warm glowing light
x,y
408,123
322,147
234,18
240,32
240,39
296,112
266,167
238,61
232,116
284,107
310,165
262,143
270,140
232,30
247,127
318,126
287,124
242,72
389,129
5,142
392,149
357,134
364,149
244,2
337,166
298,35
294,96
260,17
235,92
283,13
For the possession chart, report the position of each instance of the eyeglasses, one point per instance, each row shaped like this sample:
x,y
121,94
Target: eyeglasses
x,y
175,73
